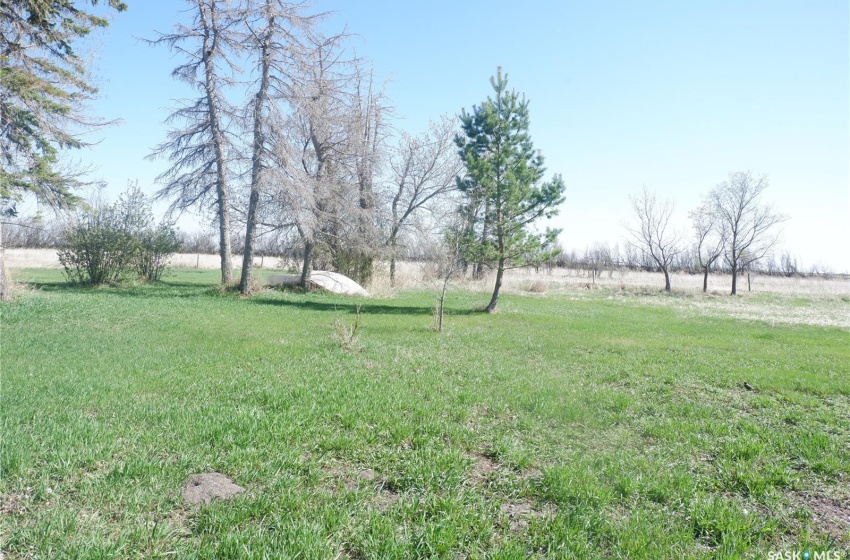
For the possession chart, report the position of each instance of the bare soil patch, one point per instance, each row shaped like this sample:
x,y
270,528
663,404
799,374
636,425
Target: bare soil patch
x,y
520,514
483,467
204,488
830,515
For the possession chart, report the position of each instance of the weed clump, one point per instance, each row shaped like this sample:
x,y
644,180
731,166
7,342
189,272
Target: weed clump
x,y
347,336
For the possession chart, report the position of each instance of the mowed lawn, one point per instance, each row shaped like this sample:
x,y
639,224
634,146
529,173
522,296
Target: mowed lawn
x,y
561,427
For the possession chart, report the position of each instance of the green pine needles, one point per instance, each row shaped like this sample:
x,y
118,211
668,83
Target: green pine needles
x,y
502,188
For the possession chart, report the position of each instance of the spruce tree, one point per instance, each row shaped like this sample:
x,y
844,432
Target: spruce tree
x,y
44,87
503,189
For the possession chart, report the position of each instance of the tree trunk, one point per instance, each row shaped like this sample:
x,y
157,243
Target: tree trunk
x,y
256,164
491,307
307,266
666,280
734,279
392,260
4,281
224,236
218,144
705,279
248,255
749,283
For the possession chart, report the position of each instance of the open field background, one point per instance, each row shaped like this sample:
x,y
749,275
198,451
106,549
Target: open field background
x,y
595,423
797,300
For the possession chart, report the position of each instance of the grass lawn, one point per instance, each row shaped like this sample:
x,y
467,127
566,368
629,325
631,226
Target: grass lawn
x,y
561,427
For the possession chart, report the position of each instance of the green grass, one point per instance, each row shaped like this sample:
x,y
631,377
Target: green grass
x,y
557,428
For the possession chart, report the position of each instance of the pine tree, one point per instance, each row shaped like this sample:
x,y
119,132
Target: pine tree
x,y
502,186
44,85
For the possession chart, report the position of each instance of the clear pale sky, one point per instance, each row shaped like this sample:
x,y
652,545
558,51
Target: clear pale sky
x,y
672,95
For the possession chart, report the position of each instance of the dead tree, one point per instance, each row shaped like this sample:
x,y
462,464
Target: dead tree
x,y
334,135
276,37
199,145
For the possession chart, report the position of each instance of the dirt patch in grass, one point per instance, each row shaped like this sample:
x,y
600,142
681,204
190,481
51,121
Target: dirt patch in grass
x,y
204,488
385,498
13,504
520,514
351,477
483,467
830,515
531,473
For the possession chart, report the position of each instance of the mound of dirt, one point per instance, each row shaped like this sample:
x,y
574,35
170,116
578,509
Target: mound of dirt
x,y
204,488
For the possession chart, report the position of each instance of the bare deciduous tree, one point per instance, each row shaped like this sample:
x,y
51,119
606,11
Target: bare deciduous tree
x,y
275,36
334,135
654,235
748,225
424,170
199,146
708,239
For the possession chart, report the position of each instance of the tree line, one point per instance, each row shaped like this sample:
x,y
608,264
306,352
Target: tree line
x,y
733,225
290,142
287,134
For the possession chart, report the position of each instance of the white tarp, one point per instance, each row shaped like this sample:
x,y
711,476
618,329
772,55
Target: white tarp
x,y
330,281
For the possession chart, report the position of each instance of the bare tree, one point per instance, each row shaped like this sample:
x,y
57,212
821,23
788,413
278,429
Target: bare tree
x,y
596,259
749,227
708,238
314,138
199,148
366,149
334,134
423,171
654,236
276,33
788,264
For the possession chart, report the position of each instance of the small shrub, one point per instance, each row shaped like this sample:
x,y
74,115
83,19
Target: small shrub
x,y
155,249
96,249
537,287
347,336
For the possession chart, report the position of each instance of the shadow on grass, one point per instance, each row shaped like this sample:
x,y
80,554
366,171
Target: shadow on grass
x,y
163,289
367,307
182,289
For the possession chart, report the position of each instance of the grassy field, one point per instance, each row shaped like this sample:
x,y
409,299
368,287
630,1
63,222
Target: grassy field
x,y
584,426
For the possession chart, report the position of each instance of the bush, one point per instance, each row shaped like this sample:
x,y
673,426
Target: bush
x,y
108,242
155,249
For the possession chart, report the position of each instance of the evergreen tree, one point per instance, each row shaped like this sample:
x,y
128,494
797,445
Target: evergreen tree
x,y
44,85
502,186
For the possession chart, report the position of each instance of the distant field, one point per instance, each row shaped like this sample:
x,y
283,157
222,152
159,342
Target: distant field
x,y
601,422
416,275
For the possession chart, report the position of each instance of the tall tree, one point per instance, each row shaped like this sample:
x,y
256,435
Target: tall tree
x,y
749,226
199,147
276,32
44,86
654,236
503,188
366,142
334,137
316,138
423,171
